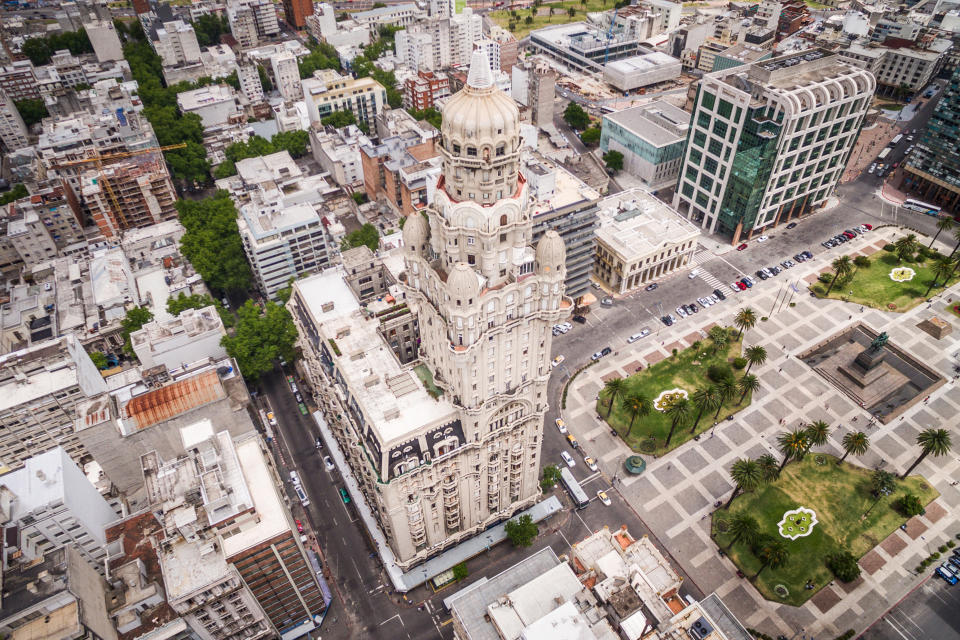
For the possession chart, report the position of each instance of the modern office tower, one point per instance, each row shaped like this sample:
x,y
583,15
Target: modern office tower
x,y
13,131
933,169
769,141
176,43
295,12
436,386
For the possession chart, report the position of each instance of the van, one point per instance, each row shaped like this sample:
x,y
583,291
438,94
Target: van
x,y
637,336
304,500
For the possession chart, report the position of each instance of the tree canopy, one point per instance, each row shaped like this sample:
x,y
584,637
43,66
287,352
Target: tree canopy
x,y
294,142
176,306
209,28
135,318
261,338
431,115
521,531
18,191
212,242
365,235
32,110
613,160
322,56
39,50
339,119
576,117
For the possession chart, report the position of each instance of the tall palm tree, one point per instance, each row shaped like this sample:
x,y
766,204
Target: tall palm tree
x,y
755,355
637,405
860,262
747,384
841,268
769,468
882,484
745,319
792,445
855,442
704,400
726,390
744,527
746,476
956,236
772,553
552,11
571,12
935,441
719,336
905,246
817,434
615,389
943,224
679,413
942,268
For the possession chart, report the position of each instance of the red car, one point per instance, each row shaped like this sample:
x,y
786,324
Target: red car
x,y
742,247
868,226
299,525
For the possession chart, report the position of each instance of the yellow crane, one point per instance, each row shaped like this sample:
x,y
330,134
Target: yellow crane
x,y
98,159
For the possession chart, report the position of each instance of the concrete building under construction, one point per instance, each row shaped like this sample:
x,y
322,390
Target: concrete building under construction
x,y
134,192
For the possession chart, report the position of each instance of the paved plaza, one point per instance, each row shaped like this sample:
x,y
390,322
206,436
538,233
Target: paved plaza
x,y
677,492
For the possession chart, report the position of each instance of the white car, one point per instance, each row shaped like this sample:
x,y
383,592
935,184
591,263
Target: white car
x,y
604,498
762,239
566,326
681,312
558,361
271,419
873,167
328,463
561,425
736,289
713,299
567,458
591,463
643,333
693,274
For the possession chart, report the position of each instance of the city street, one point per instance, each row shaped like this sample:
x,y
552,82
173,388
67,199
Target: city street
x,y
931,611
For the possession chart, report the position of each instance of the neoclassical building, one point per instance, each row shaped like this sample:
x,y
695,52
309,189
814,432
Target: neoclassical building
x,y
433,369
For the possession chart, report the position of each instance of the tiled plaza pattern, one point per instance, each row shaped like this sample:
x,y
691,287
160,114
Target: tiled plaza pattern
x,y
677,492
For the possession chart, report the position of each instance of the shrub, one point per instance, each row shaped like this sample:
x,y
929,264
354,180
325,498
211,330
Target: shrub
x,y
825,278
942,548
719,372
846,635
739,363
793,304
935,555
844,566
909,505
696,345
918,569
674,352
764,318
888,247
951,544
924,563
759,635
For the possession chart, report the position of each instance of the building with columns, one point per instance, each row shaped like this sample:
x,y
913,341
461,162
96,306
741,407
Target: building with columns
x,y
432,367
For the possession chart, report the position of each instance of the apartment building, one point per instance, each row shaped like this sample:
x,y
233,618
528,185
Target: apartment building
x,y
69,68
404,142
423,91
541,92
447,448
338,152
651,138
193,335
216,104
40,388
19,81
933,169
252,21
42,225
328,91
176,44
131,193
295,12
769,141
286,76
13,131
417,48
508,47
250,85
895,69
395,15
106,43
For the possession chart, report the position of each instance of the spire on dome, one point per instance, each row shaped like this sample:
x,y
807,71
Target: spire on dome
x,y
480,76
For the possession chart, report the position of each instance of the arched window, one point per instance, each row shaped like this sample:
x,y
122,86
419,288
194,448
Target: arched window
x,y
503,219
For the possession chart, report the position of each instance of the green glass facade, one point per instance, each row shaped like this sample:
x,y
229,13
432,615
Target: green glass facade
x,y
750,170
933,169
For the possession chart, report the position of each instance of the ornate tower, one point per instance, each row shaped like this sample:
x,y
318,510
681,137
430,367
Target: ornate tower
x,y
485,301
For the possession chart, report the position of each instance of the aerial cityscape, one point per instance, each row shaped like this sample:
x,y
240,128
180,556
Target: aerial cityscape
x,y
480,319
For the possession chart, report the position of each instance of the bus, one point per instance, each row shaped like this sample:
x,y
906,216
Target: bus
x,y
883,154
896,140
922,207
574,489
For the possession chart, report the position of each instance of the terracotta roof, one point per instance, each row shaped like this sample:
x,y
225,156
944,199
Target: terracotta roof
x,y
172,400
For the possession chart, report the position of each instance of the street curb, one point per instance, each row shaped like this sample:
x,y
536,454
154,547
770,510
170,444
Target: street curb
x,y
896,604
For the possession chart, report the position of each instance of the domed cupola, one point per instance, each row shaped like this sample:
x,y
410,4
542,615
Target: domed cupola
x,y
463,285
481,139
416,233
551,254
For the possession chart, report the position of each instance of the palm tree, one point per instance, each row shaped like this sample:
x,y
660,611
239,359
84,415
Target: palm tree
x,y
772,553
956,236
755,355
583,3
746,476
744,527
882,484
726,389
841,267
860,262
942,268
935,441
719,336
817,434
855,442
943,224
571,12
905,246
615,389
769,468
679,412
637,405
747,384
704,400
792,445
745,319
552,11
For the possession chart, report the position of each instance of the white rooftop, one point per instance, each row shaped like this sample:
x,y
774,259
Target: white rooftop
x,y
634,223
532,601
204,96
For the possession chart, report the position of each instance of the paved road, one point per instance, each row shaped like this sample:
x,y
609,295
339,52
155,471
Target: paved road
x,y
931,611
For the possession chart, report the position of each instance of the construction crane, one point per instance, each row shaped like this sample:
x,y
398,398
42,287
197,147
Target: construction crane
x,y
98,159
613,21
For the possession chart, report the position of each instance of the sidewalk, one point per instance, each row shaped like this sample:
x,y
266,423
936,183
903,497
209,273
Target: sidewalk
x,y
675,495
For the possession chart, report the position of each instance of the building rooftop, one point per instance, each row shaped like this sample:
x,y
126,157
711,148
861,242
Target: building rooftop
x,y
641,63
204,96
189,567
159,405
269,224
745,52
659,123
513,611
381,11
567,188
23,587
274,167
634,223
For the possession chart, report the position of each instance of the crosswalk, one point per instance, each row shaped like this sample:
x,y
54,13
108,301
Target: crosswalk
x,y
699,258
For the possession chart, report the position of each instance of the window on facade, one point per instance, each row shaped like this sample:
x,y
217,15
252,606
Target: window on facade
x,y
720,128
699,138
725,108
715,147
704,119
472,152
708,100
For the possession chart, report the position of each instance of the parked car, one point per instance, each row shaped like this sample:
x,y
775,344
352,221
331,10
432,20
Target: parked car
x,y
272,419
568,459
561,426
762,275
298,396
763,239
946,574
606,301
558,360
868,226
343,495
742,247
806,254
791,225
605,351
737,286
693,274
681,312
664,319
328,463
800,257
719,294
299,525
693,308
604,498
302,496
591,463
872,168
643,333
652,286
580,319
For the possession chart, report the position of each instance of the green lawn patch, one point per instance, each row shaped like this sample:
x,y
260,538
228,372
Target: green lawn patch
x,y
426,377
543,18
840,496
688,371
953,309
873,286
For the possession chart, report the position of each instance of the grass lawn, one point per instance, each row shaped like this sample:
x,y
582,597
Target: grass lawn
x,y
686,371
873,287
839,495
543,17
953,309
426,377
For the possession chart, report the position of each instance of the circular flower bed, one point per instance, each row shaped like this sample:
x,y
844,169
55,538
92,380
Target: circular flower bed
x,y
820,460
781,590
666,399
891,306
902,274
797,523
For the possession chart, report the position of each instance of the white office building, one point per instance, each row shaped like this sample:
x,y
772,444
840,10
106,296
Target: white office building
x,y
216,104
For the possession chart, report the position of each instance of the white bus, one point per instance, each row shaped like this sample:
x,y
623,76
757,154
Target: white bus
x,y
922,207
883,154
573,487
896,140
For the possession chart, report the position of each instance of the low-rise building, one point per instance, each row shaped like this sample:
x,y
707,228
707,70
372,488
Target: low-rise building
x,y
640,240
640,71
404,142
395,15
216,104
41,225
651,138
328,91
106,43
19,81
193,335
740,53
583,46
176,43
423,91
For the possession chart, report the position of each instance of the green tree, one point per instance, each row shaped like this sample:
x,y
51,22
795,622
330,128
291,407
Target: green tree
x,y
615,389
905,246
528,20
841,268
910,505
431,115
39,50
755,355
590,136
882,484
135,318
576,117
769,468
817,433
771,552
99,359
749,383
704,400
571,12
321,56
719,337
552,11
551,476
956,236
176,306
855,442
224,170
935,441
32,110
261,338
746,476
942,268
613,161
860,262
265,81
365,235
209,27
844,566
460,571
943,224
293,142
521,531
792,445
339,119
212,242
638,406
744,527
746,318
679,413
18,191
726,390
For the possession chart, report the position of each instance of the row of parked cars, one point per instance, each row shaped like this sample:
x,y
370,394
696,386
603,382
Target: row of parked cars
x,y
950,570
846,236
685,310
